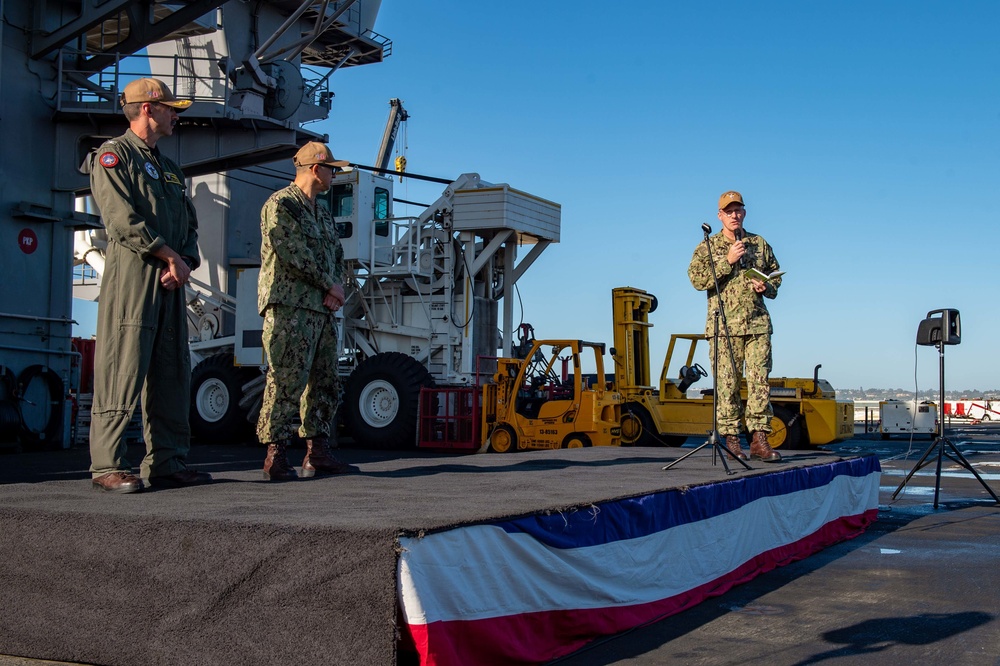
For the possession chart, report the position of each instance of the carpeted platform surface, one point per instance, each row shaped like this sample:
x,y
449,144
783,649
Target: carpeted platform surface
x,y
247,572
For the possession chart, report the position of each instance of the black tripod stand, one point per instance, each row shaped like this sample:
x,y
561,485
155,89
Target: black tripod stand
x,y
714,439
941,443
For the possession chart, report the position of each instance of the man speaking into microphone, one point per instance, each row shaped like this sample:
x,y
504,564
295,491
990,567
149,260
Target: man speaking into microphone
x,y
745,336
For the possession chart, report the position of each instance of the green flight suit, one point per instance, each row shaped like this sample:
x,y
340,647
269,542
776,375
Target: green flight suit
x,y
749,325
142,331
301,259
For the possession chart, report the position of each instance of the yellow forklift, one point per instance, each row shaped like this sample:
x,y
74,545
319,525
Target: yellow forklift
x,y
544,401
806,411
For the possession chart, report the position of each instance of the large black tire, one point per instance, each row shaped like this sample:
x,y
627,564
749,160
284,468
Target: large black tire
x,y
8,384
672,440
786,429
637,426
10,412
216,391
381,401
638,429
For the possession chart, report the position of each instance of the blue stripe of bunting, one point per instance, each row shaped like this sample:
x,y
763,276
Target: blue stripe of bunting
x,y
648,514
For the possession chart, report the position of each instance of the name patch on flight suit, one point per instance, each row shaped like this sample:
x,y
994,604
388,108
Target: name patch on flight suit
x,y
171,178
151,170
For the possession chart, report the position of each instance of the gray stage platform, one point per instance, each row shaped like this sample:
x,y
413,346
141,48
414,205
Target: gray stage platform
x,y
247,572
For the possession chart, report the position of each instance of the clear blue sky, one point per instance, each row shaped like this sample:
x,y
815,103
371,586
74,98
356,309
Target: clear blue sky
x,y
861,134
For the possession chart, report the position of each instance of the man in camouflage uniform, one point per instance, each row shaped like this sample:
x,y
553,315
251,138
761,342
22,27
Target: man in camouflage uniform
x,y
748,322
300,289
142,341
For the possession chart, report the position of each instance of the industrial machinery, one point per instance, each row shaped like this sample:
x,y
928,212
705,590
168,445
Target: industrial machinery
x,y
425,291
429,294
533,403
806,411
256,72
424,294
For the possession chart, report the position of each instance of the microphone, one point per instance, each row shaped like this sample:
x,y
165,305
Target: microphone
x,y
740,235
706,228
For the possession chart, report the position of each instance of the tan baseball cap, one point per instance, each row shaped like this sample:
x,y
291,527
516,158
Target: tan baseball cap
x,y
315,152
730,197
152,90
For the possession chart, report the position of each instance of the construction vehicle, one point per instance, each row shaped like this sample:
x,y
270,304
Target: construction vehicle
x,y
806,411
537,399
530,404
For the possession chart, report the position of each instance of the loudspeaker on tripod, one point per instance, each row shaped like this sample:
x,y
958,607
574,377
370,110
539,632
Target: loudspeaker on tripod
x,y
945,328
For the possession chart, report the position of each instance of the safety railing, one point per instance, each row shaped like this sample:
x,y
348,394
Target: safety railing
x,y
198,78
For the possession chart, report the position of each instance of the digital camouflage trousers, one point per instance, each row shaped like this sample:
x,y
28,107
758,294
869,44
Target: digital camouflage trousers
x,y
752,358
303,387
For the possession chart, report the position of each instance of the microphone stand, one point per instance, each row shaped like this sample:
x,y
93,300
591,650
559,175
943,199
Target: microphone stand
x,y
714,440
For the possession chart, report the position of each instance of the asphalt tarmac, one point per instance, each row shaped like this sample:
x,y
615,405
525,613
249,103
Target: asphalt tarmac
x,y
920,586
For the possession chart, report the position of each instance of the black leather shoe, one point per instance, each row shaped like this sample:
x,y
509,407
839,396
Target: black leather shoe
x,y
118,482
181,479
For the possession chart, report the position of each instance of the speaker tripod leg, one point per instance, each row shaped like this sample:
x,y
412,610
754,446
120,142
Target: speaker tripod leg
x,y
961,460
940,443
918,466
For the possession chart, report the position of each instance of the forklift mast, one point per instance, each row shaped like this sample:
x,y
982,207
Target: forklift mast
x,y
631,336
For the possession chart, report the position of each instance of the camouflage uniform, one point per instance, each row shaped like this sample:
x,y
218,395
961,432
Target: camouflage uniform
x,y
141,195
749,326
301,259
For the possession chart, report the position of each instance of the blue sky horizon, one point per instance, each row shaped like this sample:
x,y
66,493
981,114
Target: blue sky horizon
x,y
860,134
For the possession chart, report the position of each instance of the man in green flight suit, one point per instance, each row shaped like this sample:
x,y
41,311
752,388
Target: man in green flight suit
x,y
142,335
299,290
747,334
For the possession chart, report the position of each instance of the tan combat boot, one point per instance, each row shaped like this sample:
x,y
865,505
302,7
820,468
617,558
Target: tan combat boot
x,y
319,459
761,450
735,448
276,467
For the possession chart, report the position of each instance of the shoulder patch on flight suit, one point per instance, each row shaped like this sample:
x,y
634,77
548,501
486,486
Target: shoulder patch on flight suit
x,y
108,160
171,178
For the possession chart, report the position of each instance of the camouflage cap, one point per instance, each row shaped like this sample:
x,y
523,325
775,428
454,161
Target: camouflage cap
x,y
315,152
152,90
730,197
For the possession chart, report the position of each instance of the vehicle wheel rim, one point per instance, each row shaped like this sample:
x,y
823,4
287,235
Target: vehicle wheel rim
x,y
212,400
379,403
631,428
501,441
778,434
574,444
